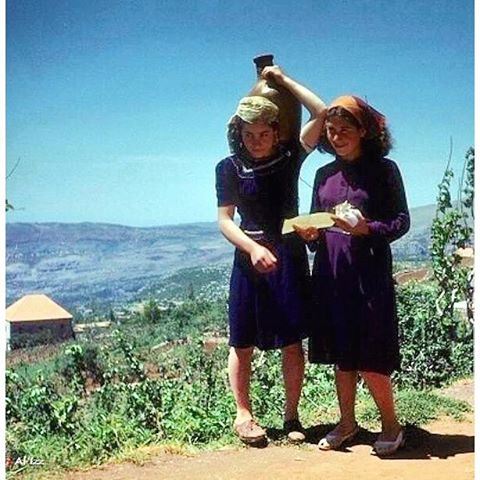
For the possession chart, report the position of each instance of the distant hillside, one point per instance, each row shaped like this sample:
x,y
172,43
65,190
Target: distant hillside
x,y
414,245
89,261
93,262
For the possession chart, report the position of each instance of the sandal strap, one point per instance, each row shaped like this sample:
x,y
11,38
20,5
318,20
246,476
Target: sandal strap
x,y
332,441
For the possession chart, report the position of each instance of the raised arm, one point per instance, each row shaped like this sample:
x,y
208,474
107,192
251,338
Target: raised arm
x,y
317,108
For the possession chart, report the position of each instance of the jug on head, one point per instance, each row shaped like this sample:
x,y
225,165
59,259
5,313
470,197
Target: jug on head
x,y
290,109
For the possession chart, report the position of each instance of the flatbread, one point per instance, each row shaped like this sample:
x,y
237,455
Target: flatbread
x,y
317,220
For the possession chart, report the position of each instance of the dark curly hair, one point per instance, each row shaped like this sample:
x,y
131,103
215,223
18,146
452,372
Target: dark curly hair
x,y
377,141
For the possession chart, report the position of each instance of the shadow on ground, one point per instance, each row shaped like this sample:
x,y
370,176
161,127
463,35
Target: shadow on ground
x,y
420,443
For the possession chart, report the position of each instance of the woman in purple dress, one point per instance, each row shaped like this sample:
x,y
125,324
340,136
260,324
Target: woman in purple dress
x,y
269,286
356,325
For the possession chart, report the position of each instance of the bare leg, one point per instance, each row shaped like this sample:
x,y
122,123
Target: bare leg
x,y
239,372
380,387
346,382
293,364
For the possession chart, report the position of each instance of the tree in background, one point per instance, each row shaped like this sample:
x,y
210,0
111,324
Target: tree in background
x,y
151,311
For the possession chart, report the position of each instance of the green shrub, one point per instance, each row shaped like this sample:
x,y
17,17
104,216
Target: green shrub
x,y
435,348
189,401
197,404
80,362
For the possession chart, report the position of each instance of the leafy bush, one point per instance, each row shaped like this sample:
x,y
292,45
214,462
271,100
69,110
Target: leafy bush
x,y
53,414
179,321
39,407
197,404
435,348
80,362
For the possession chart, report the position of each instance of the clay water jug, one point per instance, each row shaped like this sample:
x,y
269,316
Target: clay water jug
x,y
290,116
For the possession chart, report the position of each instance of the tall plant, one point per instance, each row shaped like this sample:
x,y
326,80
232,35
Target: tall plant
x,y
451,230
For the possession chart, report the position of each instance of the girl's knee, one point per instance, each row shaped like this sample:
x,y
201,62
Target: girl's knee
x,y
243,353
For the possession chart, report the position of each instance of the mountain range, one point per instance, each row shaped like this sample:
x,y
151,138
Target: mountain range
x,y
79,263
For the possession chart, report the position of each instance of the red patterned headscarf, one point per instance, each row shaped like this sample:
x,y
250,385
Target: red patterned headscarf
x,y
370,119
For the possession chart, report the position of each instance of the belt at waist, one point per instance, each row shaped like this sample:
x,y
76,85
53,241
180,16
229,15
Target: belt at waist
x,y
262,234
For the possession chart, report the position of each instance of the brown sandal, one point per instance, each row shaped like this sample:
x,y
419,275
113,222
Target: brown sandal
x,y
250,432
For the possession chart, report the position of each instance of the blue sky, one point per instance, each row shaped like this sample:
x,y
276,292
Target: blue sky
x,y
117,110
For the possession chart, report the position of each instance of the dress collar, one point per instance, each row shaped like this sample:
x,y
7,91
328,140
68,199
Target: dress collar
x,y
253,164
357,164
248,165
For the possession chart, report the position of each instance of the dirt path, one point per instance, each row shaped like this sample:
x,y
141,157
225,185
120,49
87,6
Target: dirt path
x,y
441,451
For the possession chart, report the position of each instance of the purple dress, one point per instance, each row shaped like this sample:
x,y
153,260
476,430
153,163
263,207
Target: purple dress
x,y
267,310
355,324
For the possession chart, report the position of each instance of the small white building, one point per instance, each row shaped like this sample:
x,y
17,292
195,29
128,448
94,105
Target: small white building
x,y
37,319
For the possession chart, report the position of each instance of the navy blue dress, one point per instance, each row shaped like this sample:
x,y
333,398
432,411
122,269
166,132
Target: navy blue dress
x,y
266,310
355,324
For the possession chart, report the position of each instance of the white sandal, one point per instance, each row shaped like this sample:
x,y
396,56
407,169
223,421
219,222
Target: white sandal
x,y
385,448
333,441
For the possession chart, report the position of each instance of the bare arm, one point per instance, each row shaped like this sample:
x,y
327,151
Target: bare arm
x,y
262,259
317,108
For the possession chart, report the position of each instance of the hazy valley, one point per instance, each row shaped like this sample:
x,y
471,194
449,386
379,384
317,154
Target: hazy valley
x,y
99,264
